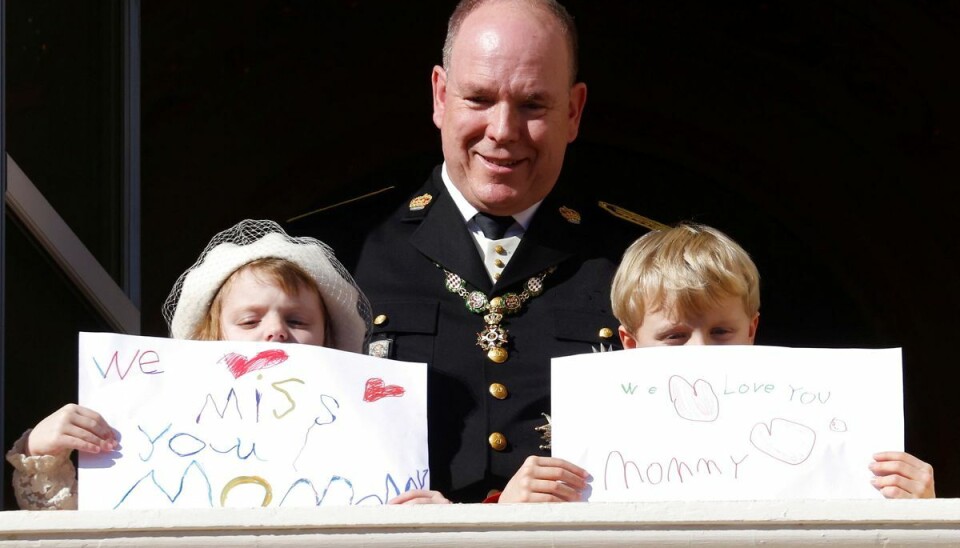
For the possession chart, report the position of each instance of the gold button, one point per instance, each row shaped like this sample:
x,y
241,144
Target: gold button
x,y
497,441
380,320
498,263
496,275
606,333
498,391
499,249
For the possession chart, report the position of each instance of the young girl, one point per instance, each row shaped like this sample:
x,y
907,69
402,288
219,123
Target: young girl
x,y
252,282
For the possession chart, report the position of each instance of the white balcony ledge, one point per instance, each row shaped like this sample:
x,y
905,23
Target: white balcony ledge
x,y
777,523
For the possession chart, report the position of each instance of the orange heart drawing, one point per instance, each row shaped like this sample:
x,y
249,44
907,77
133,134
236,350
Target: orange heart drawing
x,y
375,390
238,365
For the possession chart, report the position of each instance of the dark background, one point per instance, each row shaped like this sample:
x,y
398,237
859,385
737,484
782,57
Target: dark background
x,y
822,136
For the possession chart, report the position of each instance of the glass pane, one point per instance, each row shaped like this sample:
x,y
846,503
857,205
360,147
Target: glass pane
x,y
64,113
43,315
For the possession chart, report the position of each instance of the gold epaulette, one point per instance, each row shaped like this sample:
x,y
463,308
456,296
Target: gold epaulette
x,y
631,217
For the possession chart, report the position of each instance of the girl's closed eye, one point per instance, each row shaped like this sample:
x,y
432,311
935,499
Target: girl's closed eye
x,y
249,322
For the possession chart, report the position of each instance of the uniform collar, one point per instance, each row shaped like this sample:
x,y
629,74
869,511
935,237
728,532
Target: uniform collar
x,y
443,236
549,241
467,211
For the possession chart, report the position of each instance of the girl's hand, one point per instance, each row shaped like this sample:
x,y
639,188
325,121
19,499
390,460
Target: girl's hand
x,y
71,427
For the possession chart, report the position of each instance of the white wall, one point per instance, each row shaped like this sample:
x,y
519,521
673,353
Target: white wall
x,y
793,523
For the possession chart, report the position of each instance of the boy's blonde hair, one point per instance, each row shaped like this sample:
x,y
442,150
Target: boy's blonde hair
x,y
691,267
287,275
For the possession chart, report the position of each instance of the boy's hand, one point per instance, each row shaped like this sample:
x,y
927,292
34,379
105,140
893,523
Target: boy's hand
x,y
545,479
900,475
71,427
419,496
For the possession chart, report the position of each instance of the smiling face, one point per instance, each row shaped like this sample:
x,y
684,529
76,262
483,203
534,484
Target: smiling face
x,y
726,322
505,106
254,308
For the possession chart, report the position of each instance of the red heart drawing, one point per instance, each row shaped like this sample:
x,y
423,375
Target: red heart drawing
x,y
375,390
239,365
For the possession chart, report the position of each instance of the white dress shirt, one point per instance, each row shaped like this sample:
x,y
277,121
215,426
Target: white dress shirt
x,y
495,253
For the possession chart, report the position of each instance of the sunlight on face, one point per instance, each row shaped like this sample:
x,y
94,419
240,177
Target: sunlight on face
x,y
505,107
726,323
254,309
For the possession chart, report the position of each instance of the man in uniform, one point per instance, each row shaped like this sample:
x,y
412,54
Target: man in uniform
x,y
492,268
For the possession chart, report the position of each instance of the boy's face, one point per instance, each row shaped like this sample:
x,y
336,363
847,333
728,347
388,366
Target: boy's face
x,y
254,309
726,323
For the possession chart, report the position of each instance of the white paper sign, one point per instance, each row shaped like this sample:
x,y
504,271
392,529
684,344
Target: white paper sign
x,y
727,423
241,424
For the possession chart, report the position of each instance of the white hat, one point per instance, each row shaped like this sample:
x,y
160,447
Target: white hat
x,y
248,241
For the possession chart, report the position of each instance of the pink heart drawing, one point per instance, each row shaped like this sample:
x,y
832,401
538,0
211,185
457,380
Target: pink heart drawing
x,y
238,365
786,441
696,402
375,390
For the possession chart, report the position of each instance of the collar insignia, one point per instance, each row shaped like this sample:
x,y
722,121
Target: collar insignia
x,y
420,202
380,348
571,215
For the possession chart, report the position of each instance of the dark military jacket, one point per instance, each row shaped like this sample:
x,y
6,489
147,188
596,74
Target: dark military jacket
x,y
483,415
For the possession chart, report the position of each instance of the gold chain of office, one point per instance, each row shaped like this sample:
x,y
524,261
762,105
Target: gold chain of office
x,y
493,338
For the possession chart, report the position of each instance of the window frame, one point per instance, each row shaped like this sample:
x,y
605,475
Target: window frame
x,y
118,303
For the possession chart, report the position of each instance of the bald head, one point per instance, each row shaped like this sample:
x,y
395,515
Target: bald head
x,y
505,105
549,7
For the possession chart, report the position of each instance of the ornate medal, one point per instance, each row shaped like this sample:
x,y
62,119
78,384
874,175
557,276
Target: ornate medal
x,y
546,433
493,338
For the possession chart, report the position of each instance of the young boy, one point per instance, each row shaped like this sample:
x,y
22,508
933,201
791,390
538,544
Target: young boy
x,y
252,282
692,284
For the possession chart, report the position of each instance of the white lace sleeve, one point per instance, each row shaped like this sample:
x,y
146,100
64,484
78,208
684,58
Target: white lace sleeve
x,y
42,482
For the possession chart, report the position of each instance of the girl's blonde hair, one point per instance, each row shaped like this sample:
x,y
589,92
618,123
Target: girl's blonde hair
x,y
691,267
310,263
285,274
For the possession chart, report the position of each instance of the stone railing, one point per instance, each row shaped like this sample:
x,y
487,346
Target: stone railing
x,y
777,523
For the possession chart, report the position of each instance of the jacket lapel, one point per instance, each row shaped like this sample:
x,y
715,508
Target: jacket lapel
x,y
549,241
443,237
